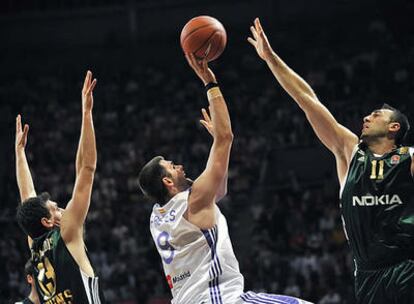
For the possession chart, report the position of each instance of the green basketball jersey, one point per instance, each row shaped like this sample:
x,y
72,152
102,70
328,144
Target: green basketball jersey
x,y
377,205
57,276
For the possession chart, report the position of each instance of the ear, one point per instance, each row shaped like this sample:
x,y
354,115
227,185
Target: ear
x,y
167,181
29,279
46,222
394,127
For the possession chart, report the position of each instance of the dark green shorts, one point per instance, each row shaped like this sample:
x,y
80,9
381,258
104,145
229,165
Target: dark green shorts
x,y
391,285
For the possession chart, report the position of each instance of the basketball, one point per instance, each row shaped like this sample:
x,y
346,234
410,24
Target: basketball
x,y
204,36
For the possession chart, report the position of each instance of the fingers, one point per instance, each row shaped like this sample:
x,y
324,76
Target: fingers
x,y
252,41
206,125
88,84
25,130
204,64
258,25
191,60
18,123
254,32
208,49
87,80
92,86
205,115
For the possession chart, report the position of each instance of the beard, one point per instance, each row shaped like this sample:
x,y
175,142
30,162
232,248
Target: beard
x,y
189,182
184,183
372,137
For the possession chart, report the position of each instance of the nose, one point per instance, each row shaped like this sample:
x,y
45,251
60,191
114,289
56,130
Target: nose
x,y
366,118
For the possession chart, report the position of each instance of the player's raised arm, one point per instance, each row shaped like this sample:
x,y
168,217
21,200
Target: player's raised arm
x,y
201,205
75,214
207,123
333,135
23,175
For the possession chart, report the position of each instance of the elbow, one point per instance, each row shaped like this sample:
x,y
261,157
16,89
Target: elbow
x,y
89,168
307,101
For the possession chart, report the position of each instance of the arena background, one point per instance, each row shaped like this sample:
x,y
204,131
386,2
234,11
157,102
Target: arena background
x,y
282,206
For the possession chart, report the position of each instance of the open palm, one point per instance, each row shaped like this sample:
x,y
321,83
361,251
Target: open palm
x,y
21,133
87,97
260,41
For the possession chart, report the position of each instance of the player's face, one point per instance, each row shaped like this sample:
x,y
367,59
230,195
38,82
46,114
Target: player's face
x,y
177,174
376,124
55,212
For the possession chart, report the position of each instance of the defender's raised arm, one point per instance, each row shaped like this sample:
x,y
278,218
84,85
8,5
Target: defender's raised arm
x,y
333,135
77,209
23,175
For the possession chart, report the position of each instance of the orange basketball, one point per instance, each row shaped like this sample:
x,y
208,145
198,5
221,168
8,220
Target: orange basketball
x,y
204,36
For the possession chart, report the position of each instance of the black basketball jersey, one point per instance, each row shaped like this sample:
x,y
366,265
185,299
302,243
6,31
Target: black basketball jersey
x,y
58,277
377,205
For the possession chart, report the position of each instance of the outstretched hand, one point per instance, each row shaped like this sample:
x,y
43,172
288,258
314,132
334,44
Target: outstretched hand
x,y
206,122
201,68
87,97
260,41
21,134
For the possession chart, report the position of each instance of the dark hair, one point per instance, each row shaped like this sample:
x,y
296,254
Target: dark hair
x,y
30,212
150,180
398,116
28,268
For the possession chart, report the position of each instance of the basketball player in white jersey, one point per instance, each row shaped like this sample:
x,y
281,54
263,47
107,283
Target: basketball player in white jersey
x,y
188,228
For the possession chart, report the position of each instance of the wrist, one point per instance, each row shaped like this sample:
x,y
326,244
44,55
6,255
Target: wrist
x,y
20,151
214,92
207,81
270,56
210,85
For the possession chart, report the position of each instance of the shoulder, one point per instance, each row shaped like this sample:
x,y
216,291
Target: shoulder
x,y
406,151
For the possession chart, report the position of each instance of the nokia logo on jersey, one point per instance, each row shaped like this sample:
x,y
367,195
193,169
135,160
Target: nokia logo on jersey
x,y
370,200
181,277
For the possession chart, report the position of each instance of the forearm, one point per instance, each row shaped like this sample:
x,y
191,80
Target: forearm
x,y
291,82
78,159
220,117
222,189
24,177
87,144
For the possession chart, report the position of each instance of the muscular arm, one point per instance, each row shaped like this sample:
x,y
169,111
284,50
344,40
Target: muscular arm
x,y
23,175
75,213
338,139
207,123
201,205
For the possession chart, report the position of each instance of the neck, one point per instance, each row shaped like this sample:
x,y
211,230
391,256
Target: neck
x,y
381,146
33,296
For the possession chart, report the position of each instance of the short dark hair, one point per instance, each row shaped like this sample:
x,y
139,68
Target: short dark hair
x,y
30,212
398,116
28,268
150,180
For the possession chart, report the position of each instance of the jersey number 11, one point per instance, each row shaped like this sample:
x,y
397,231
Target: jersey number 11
x,y
374,169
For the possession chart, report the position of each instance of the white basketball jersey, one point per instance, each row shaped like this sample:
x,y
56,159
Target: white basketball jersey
x,y
199,265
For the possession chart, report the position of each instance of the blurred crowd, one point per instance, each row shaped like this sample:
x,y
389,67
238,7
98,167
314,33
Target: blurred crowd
x,y
288,239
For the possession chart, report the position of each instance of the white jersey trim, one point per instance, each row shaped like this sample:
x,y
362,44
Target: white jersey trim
x,y
90,284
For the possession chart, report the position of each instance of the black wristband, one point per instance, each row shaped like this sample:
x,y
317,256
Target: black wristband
x,y
211,85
